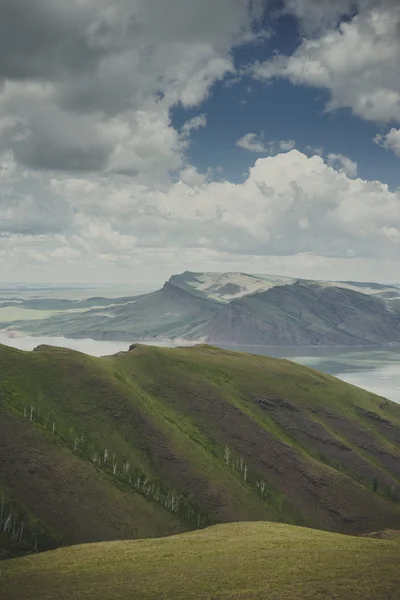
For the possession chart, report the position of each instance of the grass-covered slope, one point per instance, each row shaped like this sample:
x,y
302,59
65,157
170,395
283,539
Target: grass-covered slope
x,y
244,561
156,441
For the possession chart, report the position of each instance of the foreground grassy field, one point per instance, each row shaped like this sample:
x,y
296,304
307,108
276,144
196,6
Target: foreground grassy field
x,y
232,561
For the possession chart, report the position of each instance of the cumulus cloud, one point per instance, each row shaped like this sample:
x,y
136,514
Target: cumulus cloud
x,y
316,17
390,140
285,145
251,142
290,204
195,123
345,164
88,86
86,91
319,151
255,143
28,202
94,178
358,62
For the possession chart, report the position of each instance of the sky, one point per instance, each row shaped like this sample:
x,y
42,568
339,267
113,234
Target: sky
x,y
142,138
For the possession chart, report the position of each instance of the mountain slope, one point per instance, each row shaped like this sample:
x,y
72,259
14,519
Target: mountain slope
x,y
187,437
237,308
241,560
169,312
303,314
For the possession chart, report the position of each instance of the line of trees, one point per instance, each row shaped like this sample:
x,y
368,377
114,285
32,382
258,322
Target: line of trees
x,y
120,468
12,528
20,534
237,464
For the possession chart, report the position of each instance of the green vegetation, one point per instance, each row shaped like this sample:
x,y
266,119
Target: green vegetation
x,y
20,532
233,561
158,441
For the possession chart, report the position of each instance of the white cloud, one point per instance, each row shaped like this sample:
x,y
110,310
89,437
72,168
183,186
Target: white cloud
x,y
390,140
255,143
94,179
86,92
358,63
345,164
286,145
194,124
315,17
319,151
251,142
289,205
88,87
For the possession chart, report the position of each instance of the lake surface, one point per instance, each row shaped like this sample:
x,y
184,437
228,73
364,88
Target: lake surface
x,y
374,369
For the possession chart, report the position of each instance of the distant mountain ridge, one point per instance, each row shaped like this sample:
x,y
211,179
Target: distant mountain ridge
x,y
239,308
303,314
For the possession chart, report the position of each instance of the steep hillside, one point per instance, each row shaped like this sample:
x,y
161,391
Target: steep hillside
x,y
155,441
166,313
244,561
304,314
229,308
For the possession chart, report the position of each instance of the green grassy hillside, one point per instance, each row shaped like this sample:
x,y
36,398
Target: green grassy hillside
x,y
157,441
236,561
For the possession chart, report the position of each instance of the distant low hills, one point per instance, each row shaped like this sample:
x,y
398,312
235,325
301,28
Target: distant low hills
x,y
236,308
157,441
